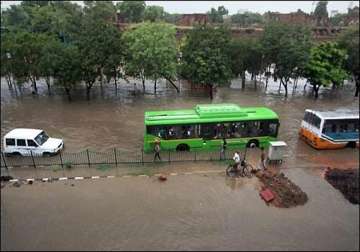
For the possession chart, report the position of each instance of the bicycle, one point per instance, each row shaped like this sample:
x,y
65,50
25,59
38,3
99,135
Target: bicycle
x,y
245,171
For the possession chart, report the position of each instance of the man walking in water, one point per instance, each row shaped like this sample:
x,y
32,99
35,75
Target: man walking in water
x,y
157,150
223,149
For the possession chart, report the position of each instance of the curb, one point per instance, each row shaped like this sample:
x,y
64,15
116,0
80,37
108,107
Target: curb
x,y
103,177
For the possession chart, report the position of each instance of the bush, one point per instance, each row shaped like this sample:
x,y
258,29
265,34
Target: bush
x,y
68,164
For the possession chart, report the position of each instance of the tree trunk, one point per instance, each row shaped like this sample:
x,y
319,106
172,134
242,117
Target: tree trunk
x,y
316,90
243,79
267,81
143,83
8,79
47,79
155,86
255,82
211,94
333,86
172,83
252,76
88,87
357,88
285,86
33,80
67,90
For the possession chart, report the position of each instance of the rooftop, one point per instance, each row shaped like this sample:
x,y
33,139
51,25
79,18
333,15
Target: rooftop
x,y
339,113
23,133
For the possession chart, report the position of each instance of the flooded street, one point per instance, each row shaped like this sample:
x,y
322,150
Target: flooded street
x,y
187,212
116,119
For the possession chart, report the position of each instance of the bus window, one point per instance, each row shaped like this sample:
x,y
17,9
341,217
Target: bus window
x,y
273,129
188,131
159,131
238,129
208,131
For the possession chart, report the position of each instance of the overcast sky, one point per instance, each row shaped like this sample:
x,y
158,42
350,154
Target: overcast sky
x,y
235,6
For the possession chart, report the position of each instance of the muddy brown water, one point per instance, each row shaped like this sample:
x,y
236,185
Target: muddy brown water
x,y
187,212
115,119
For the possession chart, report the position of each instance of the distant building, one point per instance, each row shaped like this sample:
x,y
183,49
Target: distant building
x,y
193,19
298,17
352,16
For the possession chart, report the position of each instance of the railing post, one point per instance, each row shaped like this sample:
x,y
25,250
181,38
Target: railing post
x,y
32,157
115,157
3,157
195,155
87,152
169,157
142,156
61,160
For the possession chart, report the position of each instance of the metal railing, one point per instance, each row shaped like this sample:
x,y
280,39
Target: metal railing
x,y
110,157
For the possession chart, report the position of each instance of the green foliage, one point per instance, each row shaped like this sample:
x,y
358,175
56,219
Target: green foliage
x,y
350,42
246,55
103,167
247,18
321,10
151,51
133,11
205,56
288,47
325,66
68,164
154,13
172,18
338,19
216,16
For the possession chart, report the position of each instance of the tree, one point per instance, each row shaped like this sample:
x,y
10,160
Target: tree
x,y
16,17
205,57
288,47
154,13
350,42
49,59
325,66
321,12
27,51
247,19
216,16
151,52
66,69
133,11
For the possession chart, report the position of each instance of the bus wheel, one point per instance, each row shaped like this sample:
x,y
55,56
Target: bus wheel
x,y
182,147
351,144
253,143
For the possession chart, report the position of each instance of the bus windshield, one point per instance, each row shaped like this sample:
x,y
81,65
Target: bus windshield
x,y
41,138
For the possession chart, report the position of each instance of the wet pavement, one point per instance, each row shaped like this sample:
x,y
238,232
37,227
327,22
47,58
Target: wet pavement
x,y
186,212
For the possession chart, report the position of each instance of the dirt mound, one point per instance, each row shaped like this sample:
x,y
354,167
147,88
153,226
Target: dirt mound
x,y
286,193
346,181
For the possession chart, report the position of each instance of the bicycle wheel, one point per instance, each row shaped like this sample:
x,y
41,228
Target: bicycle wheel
x,y
247,170
230,171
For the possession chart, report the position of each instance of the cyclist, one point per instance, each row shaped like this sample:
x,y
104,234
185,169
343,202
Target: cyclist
x,y
237,160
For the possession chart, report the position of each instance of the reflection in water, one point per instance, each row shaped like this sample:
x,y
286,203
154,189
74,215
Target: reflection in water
x,y
115,118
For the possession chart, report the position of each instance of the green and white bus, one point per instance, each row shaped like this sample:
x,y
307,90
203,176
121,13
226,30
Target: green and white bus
x,y
205,127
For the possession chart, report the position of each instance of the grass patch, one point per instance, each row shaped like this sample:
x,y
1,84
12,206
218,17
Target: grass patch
x,y
55,168
68,164
103,167
148,172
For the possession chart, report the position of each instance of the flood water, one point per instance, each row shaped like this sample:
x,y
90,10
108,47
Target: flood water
x,y
115,119
187,212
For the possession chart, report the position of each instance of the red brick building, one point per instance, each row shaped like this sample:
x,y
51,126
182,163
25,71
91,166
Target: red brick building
x,y
193,19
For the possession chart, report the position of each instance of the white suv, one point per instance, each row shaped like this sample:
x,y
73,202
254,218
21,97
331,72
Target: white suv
x,y
24,141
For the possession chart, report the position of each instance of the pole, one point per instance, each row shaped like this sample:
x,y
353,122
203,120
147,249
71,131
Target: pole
x,y
115,156
142,156
87,152
61,160
195,155
32,157
169,156
2,154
